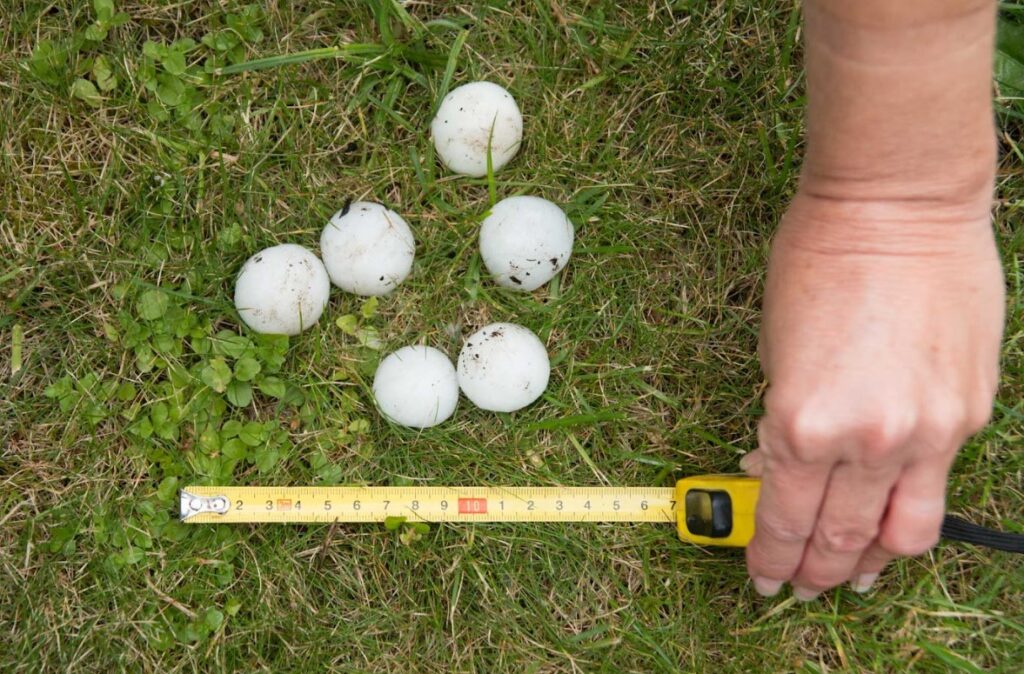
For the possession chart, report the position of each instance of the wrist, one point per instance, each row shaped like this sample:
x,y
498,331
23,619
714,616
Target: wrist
x,y
953,193
889,228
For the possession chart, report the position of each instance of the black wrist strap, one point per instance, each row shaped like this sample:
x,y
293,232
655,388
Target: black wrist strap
x,y
958,529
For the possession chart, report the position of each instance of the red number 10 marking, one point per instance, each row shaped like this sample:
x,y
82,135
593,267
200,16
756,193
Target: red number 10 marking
x,y
472,506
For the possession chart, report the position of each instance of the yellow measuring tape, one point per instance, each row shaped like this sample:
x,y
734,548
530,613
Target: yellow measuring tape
x,y
709,510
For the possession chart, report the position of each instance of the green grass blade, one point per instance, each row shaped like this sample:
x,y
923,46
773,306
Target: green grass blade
x,y
449,69
492,187
17,338
346,51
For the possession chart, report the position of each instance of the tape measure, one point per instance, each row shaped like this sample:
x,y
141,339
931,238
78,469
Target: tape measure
x,y
708,510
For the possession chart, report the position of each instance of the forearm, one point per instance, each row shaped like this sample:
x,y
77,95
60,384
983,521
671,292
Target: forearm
x,y
899,103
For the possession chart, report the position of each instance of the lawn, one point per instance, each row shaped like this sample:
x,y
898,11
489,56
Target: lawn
x,y
145,156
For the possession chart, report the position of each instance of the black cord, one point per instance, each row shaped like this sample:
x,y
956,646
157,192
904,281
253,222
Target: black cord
x,y
958,529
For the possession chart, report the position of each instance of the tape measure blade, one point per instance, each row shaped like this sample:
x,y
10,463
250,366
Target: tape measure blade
x,y
426,504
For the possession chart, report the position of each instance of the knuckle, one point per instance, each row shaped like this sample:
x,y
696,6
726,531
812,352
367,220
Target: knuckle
x,y
907,544
875,433
885,435
978,417
781,529
808,433
946,423
840,538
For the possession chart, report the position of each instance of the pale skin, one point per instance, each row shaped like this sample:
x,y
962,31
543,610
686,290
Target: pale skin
x,y
883,308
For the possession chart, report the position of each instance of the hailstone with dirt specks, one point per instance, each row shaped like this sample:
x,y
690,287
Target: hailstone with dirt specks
x,y
368,249
503,367
525,241
471,118
416,386
282,290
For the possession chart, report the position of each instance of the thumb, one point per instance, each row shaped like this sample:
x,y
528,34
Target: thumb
x,y
752,463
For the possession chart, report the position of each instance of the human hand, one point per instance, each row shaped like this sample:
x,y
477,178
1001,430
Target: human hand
x,y
880,343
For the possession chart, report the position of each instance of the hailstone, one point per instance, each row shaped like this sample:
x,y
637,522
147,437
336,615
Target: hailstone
x,y
416,386
525,241
471,118
503,367
282,290
368,249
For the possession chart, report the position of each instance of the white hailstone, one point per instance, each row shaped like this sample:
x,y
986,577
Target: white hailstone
x,y
282,290
368,249
416,386
471,118
503,367
525,241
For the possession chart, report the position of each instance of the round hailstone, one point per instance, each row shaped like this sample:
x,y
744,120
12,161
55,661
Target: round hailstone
x,y
416,386
470,118
525,241
503,367
282,290
367,248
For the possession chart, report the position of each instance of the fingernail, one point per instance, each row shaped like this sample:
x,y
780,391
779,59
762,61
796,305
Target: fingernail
x,y
745,462
766,587
803,594
864,582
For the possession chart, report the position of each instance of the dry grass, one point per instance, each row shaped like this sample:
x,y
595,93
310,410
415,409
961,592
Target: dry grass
x,y
671,132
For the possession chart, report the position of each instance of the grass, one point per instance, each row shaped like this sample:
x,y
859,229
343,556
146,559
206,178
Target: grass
x,y
670,130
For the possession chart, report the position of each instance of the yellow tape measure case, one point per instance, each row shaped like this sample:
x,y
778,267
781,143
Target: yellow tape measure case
x,y
717,509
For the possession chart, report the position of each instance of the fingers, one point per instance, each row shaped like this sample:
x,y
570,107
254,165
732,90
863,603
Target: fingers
x,y
913,521
917,506
869,567
787,508
819,524
848,523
